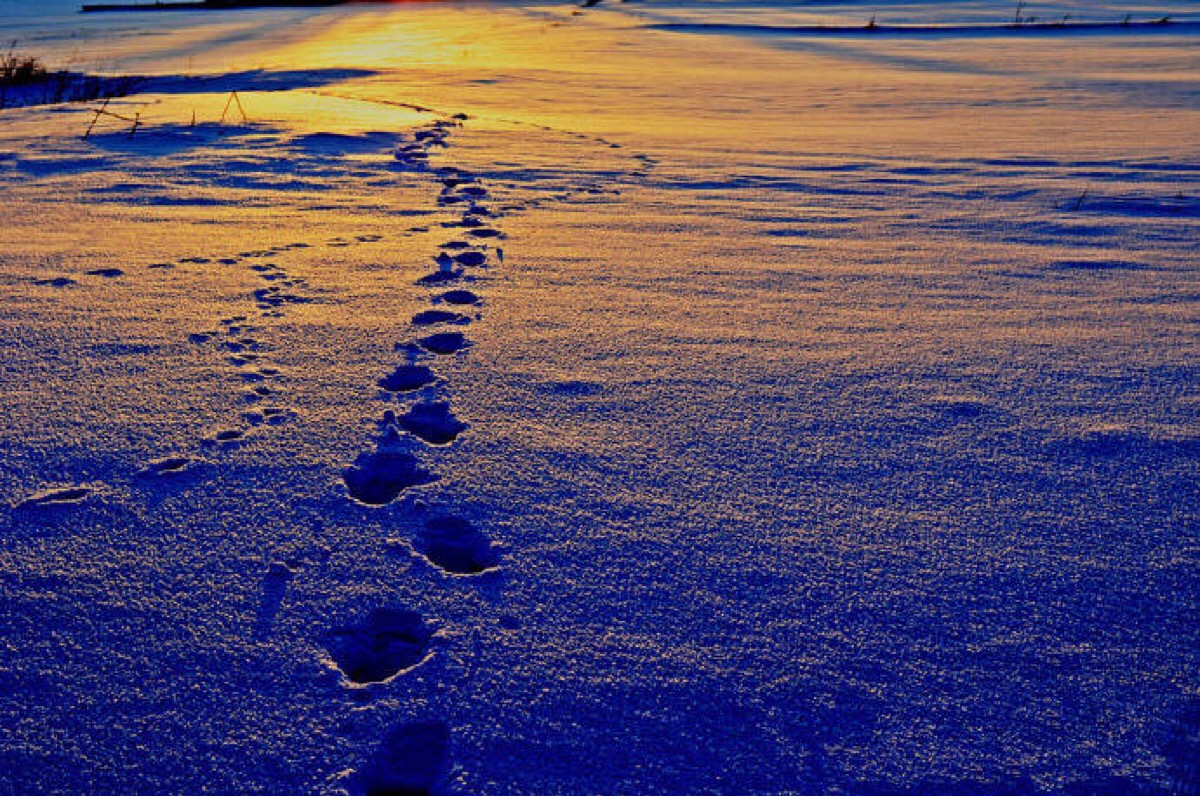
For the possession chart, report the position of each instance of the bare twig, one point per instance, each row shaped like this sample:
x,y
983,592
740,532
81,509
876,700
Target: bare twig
x,y
135,121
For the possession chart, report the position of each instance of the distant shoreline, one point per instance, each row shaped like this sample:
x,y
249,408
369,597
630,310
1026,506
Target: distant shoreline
x,y
1164,24
214,5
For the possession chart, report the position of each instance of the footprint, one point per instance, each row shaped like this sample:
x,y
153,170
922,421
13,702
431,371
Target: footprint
x,y
57,497
432,422
444,342
454,545
271,415
407,378
378,478
277,416
431,317
389,642
471,258
58,281
161,265
267,298
959,407
171,465
440,277
410,153
274,297
574,389
230,435
485,232
412,760
459,297
274,586
108,273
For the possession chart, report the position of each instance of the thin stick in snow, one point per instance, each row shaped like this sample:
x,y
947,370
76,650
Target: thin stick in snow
x,y
234,99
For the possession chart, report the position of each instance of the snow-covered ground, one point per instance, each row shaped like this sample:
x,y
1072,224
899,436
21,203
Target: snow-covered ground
x,y
651,398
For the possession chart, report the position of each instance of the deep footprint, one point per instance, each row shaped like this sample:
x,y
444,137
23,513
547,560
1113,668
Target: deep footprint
x,y
444,342
413,760
431,317
471,258
389,642
378,478
56,497
277,416
432,422
440,277
459,297
172,465
58,281
407,378
454,545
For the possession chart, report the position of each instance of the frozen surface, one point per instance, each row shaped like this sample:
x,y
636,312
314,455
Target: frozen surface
x,y
645,399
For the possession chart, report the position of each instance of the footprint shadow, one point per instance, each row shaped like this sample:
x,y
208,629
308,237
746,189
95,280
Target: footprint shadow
x,y
390,641
455,546
432,422
412,760
56,497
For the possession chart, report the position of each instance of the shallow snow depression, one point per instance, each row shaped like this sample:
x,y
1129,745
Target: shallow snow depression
x,y
652,398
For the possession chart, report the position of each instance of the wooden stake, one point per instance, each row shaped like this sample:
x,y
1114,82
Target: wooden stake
x,y
238,100
234,98
96,118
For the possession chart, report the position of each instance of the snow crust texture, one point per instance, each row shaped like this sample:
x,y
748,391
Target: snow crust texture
x,y
649,398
